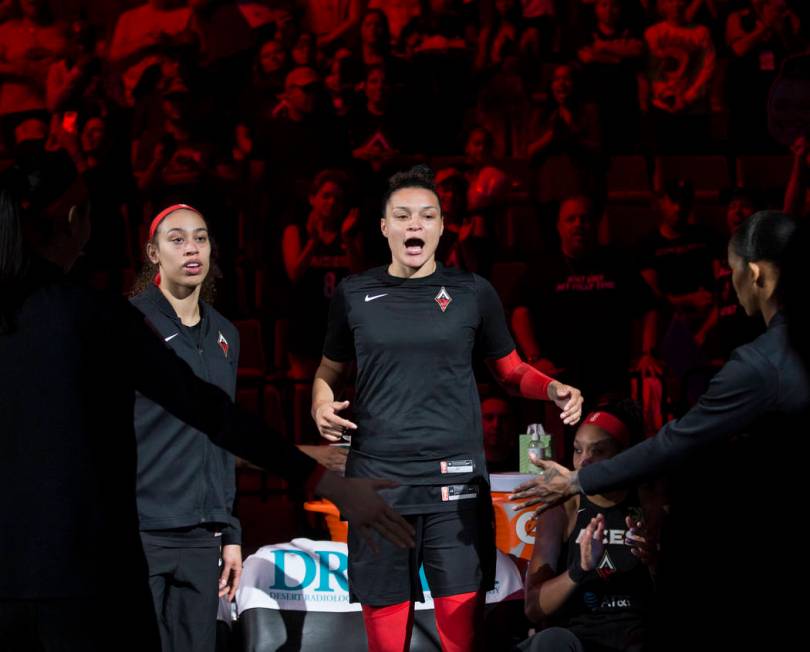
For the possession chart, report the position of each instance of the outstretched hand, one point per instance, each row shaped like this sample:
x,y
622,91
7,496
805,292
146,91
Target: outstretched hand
x,y
361,505
548,490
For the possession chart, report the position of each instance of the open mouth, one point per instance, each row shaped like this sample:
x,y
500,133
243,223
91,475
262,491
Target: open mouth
x,y
414,246
193,267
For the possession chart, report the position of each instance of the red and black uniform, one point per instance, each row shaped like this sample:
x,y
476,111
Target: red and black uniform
x,y
419,422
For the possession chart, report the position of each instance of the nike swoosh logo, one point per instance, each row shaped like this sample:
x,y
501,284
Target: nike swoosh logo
x,y
581,510
171,337
376,296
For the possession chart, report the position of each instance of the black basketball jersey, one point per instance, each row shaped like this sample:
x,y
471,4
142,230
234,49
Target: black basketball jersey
x,y
417,406
610,607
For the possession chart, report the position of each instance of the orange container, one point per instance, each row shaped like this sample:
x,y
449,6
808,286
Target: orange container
x,y
338,530
514,531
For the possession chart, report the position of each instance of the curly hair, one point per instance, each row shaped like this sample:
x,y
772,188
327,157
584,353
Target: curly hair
x,y
146,277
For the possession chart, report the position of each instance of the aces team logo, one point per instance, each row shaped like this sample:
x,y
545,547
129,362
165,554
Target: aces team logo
x,y
606,567
223,344
443,299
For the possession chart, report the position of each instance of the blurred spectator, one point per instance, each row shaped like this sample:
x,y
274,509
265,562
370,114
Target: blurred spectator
x,y
375,41
375,38
681,64
112,197
376,128
411,38
333,21
729,326
566,147
611,54
144,37
29,45
282,24
677,263
302,138
398,12
503,106
500,434
267,85
220,30
77,81
488,189
304,51
175,152
342,80
542,28
581,305
318,253
223,42
795,202
760,37
464,243
500,38
450,24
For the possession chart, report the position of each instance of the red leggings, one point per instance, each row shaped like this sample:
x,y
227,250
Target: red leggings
x,y
388,628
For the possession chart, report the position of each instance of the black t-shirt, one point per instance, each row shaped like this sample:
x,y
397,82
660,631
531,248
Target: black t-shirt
x,y
611,81
582,313
388,129
417,406
610,607
684,264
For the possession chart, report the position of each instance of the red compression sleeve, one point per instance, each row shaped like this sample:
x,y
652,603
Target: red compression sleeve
x,y
519,377
388,629
456,618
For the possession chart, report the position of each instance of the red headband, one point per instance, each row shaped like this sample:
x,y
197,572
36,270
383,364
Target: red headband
x,y
153,227
611,425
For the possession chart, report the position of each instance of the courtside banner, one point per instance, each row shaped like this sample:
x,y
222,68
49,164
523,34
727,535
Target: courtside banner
x,y
307,575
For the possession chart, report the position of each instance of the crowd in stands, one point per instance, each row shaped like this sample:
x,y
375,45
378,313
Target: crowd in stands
x,y
592,157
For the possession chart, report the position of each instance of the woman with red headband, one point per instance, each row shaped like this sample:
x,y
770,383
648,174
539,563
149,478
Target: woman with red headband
x,y
186,484
589,581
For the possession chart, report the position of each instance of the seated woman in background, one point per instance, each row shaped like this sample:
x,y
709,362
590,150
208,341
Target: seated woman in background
x,y
589,582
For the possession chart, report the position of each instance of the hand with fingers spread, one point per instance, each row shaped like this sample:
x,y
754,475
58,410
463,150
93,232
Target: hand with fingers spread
x,y
591,543
331,426
361,505
568,399
553,487
641,543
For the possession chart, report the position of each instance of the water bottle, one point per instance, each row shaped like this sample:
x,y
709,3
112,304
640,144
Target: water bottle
x,y
539,445
535,443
